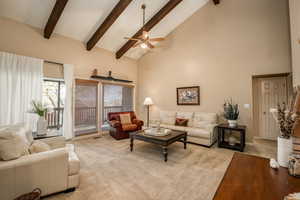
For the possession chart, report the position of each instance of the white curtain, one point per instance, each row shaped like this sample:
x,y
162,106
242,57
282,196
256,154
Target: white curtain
x,y
20,83
68,108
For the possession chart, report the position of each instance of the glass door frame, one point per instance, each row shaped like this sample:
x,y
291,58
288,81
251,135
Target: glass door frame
x,y
89,83
101,97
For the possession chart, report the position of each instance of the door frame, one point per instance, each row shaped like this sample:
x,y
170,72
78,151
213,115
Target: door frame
x,y
255,99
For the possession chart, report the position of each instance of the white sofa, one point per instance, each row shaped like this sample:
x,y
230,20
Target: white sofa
x,y
52,171
201,127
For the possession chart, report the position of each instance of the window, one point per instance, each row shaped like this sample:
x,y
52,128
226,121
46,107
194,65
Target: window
x,y
117,98
53,97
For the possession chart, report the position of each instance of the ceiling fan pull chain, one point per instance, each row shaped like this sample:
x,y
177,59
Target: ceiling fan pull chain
x,y
144,9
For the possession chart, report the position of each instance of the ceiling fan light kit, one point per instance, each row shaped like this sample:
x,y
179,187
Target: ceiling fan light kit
x,y
144,41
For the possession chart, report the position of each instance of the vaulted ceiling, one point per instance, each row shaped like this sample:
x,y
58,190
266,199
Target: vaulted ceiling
x,y
81,18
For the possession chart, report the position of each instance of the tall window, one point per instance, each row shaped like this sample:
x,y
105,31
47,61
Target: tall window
x,y
53,96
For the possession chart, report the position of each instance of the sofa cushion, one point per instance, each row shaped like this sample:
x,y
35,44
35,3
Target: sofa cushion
x,y
198,132
186,115
21,129
129,127
39,146
125,118
202,119
173,127
167,117
12,144
181,122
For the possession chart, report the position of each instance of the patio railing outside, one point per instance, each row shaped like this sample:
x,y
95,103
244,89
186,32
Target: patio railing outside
x,y
55,118
85,116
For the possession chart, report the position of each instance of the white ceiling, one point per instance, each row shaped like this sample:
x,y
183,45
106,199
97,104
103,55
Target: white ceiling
x,y
81,18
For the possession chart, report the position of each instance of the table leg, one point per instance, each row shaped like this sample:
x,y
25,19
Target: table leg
x,y
243,140
165,152
131,143
184,141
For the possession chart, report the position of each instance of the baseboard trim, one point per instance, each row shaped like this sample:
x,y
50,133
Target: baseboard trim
x,y
65,191
70,190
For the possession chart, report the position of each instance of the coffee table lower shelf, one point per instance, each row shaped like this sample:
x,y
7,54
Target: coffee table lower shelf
x,y
226,145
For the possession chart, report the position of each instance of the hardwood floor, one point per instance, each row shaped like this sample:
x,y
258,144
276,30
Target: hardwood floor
x,y
250,177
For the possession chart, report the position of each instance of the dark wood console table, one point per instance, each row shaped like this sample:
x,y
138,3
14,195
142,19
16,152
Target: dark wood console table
x,y
251,178
222,128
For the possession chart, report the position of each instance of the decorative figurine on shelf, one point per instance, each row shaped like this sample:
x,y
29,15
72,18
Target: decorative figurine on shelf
x,y
95,72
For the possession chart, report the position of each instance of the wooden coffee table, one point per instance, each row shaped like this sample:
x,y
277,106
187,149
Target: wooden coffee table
x,y
251,178
163,141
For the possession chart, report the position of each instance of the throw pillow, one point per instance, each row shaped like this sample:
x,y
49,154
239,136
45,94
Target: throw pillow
x,y
39,146
125,118
12,145
181,122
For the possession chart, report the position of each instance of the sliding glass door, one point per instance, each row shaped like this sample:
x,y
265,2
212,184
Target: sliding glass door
x,y
86,107
116,98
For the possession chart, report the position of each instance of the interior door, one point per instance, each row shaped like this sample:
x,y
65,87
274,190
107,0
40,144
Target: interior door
x,y
86,107
271,92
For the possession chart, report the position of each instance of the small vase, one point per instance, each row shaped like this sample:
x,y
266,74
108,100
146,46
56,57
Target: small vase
x,y
42,126
284,149
232,123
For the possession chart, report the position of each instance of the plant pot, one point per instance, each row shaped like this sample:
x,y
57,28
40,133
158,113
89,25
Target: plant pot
x,y
284,149
232,123
42,126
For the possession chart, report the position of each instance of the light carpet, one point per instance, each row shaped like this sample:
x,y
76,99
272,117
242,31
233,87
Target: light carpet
x,y
109,171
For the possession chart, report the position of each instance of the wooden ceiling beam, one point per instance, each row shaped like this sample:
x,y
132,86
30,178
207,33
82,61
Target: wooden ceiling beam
x,y
149,25
54,17
216,2
110,19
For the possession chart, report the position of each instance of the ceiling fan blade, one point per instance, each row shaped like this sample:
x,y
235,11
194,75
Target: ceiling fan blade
x,y
136,44
128,38
156,39
151,46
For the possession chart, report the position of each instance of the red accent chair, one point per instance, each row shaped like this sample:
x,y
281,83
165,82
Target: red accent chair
x,y
121,131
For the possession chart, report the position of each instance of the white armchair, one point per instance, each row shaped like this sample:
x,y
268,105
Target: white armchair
x,y
52,171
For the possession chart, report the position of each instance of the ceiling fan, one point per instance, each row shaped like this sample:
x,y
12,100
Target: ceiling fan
x,y
144,41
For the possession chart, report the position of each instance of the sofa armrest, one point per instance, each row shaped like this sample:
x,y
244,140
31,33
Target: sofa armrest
x,y
139,123
55,142
46,170
211,127
115,124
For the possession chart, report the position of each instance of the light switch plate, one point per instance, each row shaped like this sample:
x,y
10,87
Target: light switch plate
x,y
247,106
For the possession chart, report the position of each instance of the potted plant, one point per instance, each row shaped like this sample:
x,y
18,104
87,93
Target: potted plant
x,y
285,119
39,109
231,113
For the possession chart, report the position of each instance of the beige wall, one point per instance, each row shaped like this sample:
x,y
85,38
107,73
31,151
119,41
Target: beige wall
x,y
219,49
24,40
295,37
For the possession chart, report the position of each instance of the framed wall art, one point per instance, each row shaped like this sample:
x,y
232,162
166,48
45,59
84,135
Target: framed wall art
x,y
188,95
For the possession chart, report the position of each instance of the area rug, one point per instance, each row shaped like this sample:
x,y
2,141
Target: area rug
x,y
109,171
